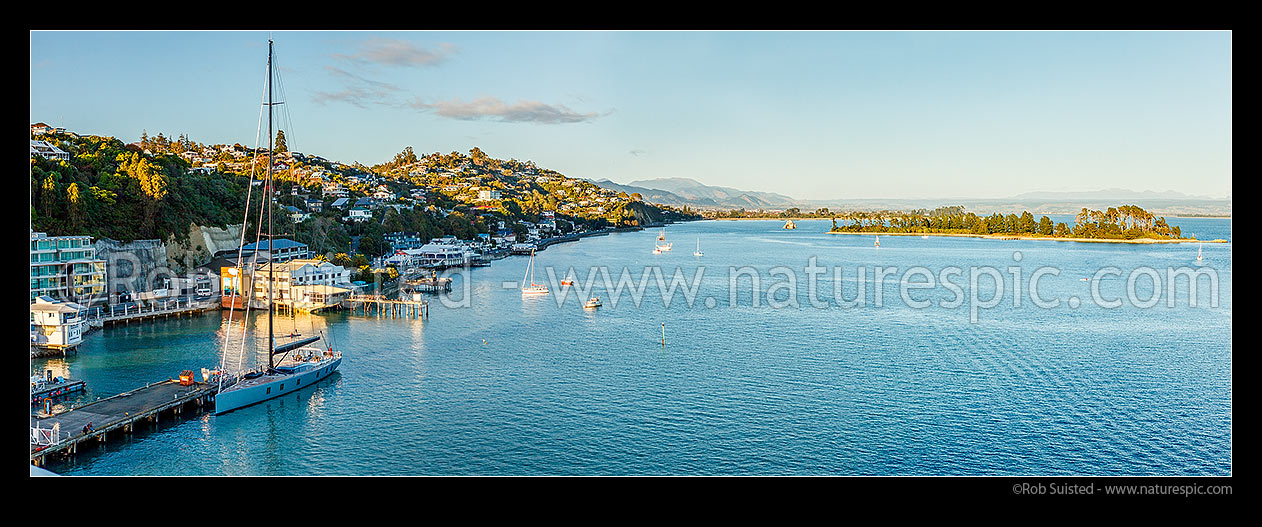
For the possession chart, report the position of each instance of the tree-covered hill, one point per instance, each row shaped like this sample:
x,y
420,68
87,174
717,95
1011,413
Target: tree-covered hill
x,y
159,187
110,190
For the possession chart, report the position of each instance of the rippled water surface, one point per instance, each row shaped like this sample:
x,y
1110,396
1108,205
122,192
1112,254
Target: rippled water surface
x,y
513,386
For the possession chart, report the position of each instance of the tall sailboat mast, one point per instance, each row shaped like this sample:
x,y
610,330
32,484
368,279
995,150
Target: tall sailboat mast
x,y
310,364
271,261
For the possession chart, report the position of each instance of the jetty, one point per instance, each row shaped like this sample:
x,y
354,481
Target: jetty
x,y
380,306
95,422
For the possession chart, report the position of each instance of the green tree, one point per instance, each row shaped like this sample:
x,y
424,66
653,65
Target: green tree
x,y
1045,226
280,141
373,245
50,199
76,207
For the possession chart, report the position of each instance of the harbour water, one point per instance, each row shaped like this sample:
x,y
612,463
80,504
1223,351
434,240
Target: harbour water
x,y
521,386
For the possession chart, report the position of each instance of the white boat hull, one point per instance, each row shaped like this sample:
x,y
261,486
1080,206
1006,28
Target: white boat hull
x,y
237,397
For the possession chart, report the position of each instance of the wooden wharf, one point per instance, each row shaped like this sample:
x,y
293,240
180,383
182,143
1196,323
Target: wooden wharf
x,y
65,432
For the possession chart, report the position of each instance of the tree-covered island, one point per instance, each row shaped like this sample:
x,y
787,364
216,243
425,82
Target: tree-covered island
x,y
1122,223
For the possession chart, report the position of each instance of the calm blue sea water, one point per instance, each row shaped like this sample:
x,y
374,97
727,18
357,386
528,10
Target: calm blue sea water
x,y
513,386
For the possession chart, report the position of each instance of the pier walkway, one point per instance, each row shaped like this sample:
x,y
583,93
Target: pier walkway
x,y
126,313
64,432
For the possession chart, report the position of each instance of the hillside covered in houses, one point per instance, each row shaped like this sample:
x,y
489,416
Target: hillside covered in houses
x,y
158,187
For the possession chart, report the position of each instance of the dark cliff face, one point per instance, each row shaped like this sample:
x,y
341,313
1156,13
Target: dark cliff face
x,y
645,214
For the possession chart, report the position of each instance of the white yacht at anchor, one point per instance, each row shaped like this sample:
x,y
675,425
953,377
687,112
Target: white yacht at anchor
x,y
661,245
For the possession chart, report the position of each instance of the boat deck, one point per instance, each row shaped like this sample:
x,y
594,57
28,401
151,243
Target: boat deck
x,y
56,389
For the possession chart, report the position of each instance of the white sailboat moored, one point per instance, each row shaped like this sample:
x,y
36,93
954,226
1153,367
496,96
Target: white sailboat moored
x,y
533,288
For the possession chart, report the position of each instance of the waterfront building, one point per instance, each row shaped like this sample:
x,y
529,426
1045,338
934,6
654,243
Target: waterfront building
x,y
441,253
289,279
284,250
319,295
57,325
66,268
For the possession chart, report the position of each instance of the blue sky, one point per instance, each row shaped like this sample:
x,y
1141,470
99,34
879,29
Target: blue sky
x,y
807,114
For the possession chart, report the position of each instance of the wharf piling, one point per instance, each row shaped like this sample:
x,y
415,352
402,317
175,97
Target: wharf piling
x,y
382,307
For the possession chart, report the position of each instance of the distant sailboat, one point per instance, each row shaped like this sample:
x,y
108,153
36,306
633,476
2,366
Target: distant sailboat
x,y
790,225
698,252
878,241
1198,252
533,288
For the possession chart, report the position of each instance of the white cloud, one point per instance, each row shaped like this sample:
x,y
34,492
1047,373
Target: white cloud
x,y
494,109
392,52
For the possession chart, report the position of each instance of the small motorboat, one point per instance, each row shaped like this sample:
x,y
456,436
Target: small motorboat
x,y
593,303
567,282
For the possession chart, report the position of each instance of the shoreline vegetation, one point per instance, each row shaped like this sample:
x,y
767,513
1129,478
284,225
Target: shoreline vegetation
x,y
1036,237
1121,224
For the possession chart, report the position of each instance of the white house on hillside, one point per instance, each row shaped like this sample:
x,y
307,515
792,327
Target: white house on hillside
x,y
46,150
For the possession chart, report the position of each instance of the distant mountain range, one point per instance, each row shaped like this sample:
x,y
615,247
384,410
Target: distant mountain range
x,y
1112,193
680,192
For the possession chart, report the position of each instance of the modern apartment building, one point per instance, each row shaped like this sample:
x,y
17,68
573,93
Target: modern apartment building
x,y
65,268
